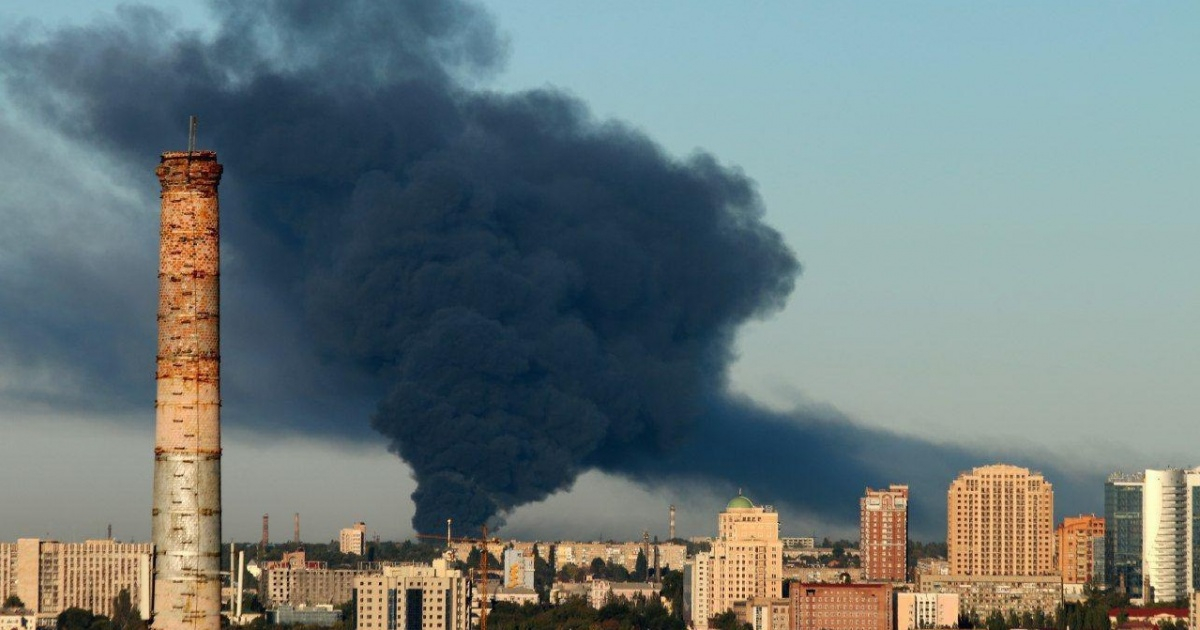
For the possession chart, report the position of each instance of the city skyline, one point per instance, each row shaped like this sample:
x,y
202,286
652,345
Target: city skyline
x,y
760,372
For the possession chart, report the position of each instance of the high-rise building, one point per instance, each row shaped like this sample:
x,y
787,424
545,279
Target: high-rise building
x,y
50,577
1168,546
518,569
414,597
1000,522
353,540
745,562
1123,532
186,514
841,606
1077,536
883,534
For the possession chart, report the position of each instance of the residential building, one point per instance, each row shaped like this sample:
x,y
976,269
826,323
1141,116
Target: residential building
x,y
985,594
1165,534
841,606
50,576
764,613
518,569
1000,522
605,591
518,595
353,540
1194,610
17,619
926,610
298,582
1123,532
883,534
414,597
745,562
1077,538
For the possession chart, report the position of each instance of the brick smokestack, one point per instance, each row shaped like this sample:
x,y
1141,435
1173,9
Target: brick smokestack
x,y
186,525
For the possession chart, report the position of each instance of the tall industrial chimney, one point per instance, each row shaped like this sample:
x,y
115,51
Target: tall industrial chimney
x,y
671,524
186,522
296,534
266,537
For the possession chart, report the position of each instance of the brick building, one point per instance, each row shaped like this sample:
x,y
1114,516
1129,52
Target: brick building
x,y
883,534
841,606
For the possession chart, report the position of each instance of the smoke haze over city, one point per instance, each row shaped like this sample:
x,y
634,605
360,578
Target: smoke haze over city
x,y
508,290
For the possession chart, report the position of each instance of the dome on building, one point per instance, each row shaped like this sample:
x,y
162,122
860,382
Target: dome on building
x,y
739,502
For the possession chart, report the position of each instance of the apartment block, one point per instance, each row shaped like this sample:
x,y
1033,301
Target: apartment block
x,y
353,540
51,576
764,613
926,610
985,594
1077,538
883,534
414,597
518,569
745,562
841,606
295,581
1000,522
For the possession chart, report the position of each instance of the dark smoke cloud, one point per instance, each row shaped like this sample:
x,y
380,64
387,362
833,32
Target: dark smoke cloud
x,y
521,292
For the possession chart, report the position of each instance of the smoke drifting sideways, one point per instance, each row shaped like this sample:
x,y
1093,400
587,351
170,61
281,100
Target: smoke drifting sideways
x,y
525,293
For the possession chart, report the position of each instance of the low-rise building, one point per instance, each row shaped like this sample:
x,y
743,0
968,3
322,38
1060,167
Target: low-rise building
x,y
841,606
323,615
764,613
518,595
926,610
563,591
296,581
605,591
984,594
17,619
414,597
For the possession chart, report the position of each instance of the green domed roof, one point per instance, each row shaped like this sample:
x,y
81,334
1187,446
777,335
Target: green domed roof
x,y
739,502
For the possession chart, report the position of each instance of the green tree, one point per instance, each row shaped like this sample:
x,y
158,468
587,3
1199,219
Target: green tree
x,y
13,602
74,619
727,621
598,568
125,616
672,589
640,567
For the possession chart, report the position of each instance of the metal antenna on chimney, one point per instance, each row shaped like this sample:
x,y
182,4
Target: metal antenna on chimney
x,y
191,134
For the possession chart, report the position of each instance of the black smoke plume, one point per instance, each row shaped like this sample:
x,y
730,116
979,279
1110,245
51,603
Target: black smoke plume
x,y
524,292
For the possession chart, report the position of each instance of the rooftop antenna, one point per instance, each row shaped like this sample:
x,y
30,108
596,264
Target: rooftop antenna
x,y
191,133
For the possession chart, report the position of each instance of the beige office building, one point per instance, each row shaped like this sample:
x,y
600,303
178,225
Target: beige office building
x,y
926,610
353,540
1000,522
50,576
414,596
746,561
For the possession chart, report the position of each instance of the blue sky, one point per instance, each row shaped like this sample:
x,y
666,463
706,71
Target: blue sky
x,y
995,204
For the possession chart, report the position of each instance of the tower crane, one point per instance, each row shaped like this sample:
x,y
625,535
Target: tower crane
x,y
483,541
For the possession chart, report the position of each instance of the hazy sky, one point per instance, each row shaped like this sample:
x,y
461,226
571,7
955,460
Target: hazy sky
x,y
995,204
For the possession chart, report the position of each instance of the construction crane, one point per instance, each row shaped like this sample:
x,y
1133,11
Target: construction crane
x,y
483,564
